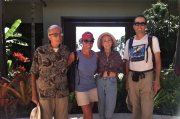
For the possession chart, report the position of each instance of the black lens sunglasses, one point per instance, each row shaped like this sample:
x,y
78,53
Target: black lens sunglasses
x,y
140,23
88,41
56,34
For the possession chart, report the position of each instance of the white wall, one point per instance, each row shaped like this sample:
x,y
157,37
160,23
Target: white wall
x,y
54,11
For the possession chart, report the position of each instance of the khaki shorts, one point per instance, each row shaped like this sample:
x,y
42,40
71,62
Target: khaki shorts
x,y
84,98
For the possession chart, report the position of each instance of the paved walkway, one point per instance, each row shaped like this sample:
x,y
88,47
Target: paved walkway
x,y
122,116
117,116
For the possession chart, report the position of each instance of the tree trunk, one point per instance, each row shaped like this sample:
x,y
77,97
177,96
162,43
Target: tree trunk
x,y
32,27
177,53
3,64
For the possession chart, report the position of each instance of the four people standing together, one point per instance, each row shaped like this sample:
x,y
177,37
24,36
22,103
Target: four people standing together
x,y
49,81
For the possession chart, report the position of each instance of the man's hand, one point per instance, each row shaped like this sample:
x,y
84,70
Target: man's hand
x,y
157,86
35,99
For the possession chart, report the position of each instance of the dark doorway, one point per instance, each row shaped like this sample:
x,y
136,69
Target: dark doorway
x,y
25,29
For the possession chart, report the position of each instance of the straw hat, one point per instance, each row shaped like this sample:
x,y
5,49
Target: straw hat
x,y
99,42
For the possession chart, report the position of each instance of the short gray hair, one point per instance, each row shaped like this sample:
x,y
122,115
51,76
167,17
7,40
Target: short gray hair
x,y
52,27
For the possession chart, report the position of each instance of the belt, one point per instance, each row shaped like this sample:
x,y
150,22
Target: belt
x,y
141,71
139,74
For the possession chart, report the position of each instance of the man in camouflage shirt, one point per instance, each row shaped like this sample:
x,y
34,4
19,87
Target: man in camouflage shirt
x,y
48,75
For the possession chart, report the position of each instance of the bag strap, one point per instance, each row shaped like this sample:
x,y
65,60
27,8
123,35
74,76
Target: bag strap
x,y
76,62
150,44
75,59
130,44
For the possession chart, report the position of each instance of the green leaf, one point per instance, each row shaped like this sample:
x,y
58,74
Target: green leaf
x,y
13,28
9,63
157,8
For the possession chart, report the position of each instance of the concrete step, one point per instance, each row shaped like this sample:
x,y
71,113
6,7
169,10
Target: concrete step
x,y
122,116
116,116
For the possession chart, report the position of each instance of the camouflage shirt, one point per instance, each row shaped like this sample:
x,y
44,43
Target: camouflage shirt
x,y
50,66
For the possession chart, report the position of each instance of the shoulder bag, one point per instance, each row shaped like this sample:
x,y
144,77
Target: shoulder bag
x,y
71,73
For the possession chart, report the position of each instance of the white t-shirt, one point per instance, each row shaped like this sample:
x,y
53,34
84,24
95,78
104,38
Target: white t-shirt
x,y
137,54
55,49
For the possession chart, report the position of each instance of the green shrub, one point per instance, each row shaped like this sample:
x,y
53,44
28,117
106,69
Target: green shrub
x,y
167,101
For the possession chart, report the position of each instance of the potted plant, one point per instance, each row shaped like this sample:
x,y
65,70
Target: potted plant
x,y
7,103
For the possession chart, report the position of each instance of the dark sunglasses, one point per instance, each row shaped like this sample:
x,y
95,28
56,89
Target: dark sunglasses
x,y
56,34
88,41
140,23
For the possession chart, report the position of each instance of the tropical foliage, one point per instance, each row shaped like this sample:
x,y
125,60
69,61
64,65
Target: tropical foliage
x,y
167,100
121,45
72,101
164,26
15,92
121,95
15,42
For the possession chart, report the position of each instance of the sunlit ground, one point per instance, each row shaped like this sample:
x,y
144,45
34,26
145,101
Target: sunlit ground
x,y
123,116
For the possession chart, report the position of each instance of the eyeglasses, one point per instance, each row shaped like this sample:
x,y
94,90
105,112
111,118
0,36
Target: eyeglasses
x,y
88,41
140,23
56,34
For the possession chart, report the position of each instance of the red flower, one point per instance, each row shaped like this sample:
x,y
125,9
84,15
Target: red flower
x,y
22,68
20,57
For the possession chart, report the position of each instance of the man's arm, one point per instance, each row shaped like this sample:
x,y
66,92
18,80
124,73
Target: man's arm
x,y
157,85
127,72
35,97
